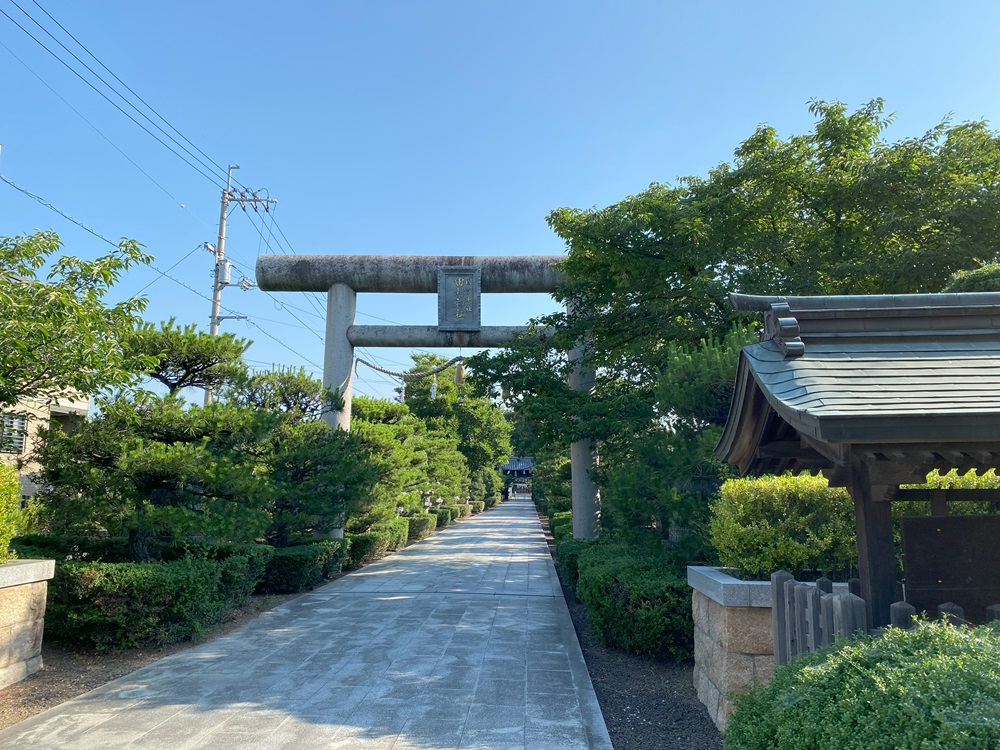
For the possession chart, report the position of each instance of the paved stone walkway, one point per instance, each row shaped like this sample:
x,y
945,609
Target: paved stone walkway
x,y
460,641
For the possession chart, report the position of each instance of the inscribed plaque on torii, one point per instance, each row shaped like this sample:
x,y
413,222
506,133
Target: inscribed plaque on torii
x,y
459,291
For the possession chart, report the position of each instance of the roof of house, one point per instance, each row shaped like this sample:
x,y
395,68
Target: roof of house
x,y
516,463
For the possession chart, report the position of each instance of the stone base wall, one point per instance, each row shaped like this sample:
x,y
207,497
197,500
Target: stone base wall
x,y
732,651
23,587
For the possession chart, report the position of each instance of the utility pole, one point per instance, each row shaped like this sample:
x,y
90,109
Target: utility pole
x,y
223,266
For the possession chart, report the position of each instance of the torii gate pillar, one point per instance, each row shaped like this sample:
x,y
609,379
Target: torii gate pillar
x,y
341,305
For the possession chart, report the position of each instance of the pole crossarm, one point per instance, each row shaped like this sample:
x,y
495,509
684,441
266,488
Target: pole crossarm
x,y
404,273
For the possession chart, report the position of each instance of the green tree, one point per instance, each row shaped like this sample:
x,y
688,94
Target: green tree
x,y
836,210
148,467
60,337
317,478
184,357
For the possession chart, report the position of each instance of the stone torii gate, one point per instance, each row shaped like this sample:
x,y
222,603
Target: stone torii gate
x,y
458,282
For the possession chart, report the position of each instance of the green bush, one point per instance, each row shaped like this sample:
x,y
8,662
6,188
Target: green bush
x,y
478,506
111,606
10,510
568,557
421,526
986,278
933,687
80,549
634,601
793,523
243,568
456,512
443,516
397,531
366,548
557,504
465,510
294,569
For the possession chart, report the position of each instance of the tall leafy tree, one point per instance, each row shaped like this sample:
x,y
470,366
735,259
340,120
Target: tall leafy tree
x,y
60,337
836,210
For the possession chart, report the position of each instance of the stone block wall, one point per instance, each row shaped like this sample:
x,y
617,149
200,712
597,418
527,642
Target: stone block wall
x,y
733,646
23,587
732,651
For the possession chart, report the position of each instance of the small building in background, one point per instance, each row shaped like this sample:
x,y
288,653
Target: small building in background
x,y
19,432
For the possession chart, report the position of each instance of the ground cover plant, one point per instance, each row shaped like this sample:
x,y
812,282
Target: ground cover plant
x,y
933,687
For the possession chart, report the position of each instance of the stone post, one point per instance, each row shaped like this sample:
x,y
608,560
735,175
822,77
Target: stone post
x,y
583,456
339,357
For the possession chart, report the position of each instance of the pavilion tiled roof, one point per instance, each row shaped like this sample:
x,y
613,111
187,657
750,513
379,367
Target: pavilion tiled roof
x,y
891,370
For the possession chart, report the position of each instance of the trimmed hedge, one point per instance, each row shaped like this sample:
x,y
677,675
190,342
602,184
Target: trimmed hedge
x,y
294,569
465,510
478,506
444,516
366,548
421,526
933,687
635,602
793,523
397,531
112,606
456,512
568,558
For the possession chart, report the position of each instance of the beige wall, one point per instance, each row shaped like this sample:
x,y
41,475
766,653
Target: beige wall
x,y
39,413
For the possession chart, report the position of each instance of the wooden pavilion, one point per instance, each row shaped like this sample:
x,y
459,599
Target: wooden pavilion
x,y
875,392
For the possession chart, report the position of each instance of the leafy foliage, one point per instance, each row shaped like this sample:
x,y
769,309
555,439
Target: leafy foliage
x,y
294,569
985,278
634,601
60,338
185,357
792,523
935,686
111,606
10,510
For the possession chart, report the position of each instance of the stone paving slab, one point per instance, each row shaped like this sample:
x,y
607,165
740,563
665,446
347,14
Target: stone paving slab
x,y
460,641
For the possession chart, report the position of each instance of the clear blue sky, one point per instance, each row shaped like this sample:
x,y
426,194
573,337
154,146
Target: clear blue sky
x,y
431,127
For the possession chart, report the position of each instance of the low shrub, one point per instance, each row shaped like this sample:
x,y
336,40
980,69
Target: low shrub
x,y
294,569
634,601
112,606
456,512
793,523
243,568
465,510
421,526
933,687
10,510
443,516
478,506
568,557
556,504
396,531
366,548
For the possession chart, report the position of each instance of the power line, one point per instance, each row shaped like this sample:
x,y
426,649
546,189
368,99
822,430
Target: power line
x,y
92,125
101,93
128,88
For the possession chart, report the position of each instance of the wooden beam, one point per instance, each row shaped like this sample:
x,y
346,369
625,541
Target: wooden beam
x,y
950,496
876,551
